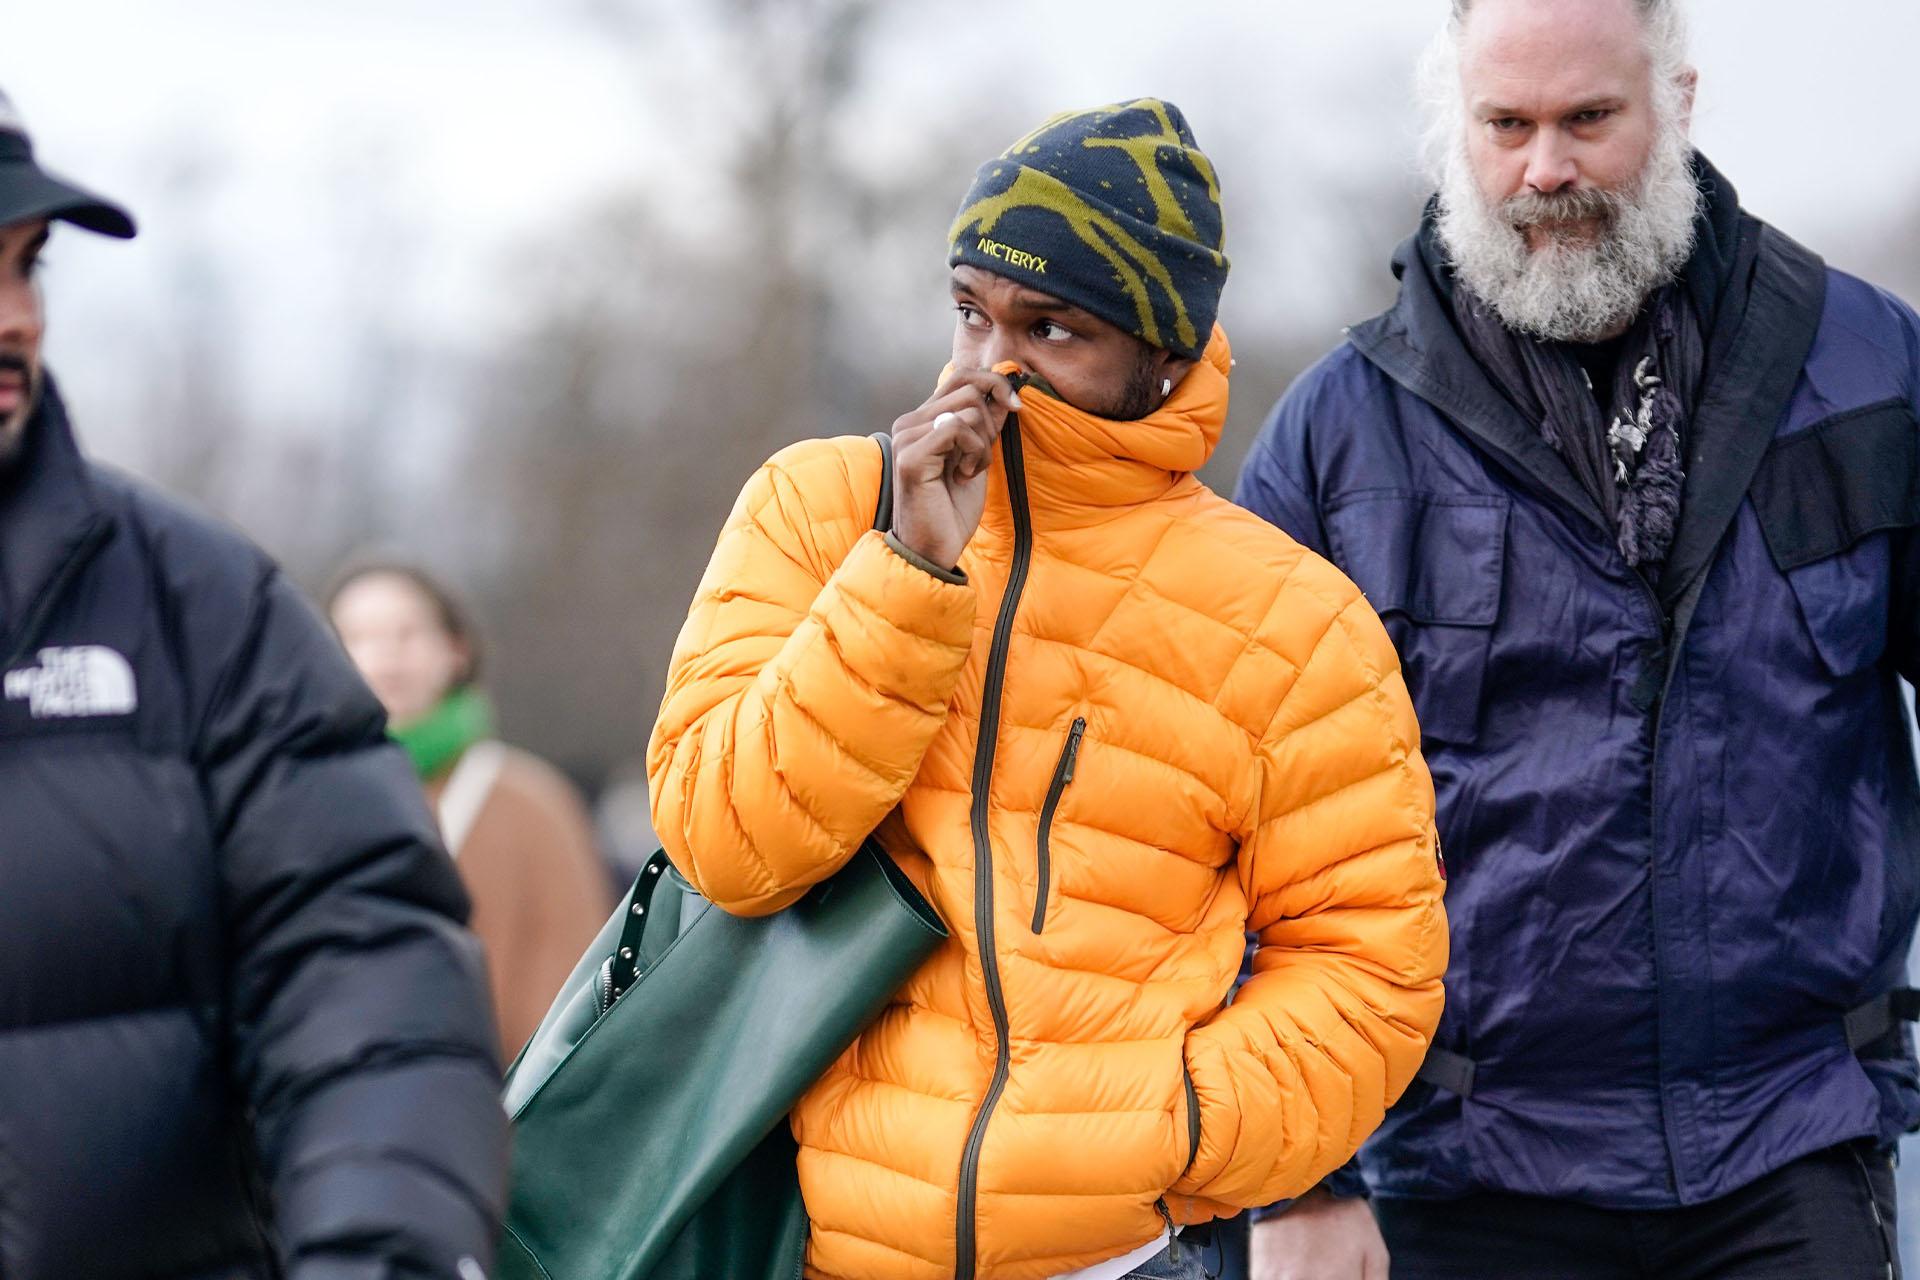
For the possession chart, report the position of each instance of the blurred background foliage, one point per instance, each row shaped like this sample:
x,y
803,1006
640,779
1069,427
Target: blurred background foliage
x,y
557,414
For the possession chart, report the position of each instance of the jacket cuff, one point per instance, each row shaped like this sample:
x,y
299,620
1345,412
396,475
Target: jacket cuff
x,y
919,561
1344,1183
1347,1182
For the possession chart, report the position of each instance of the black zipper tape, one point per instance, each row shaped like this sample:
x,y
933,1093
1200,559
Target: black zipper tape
x,y
1062,775
965,1244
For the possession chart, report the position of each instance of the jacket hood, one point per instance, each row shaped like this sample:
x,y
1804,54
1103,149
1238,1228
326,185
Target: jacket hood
x,y
1760,297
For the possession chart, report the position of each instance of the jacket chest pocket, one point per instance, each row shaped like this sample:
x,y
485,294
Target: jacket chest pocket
x,y
1431,566
1826,497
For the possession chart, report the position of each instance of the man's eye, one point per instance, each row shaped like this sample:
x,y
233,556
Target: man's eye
x,y
968,315
1592,117
1048,331
1507,124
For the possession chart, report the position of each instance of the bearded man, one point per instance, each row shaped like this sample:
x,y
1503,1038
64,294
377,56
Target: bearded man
x,y
1632,477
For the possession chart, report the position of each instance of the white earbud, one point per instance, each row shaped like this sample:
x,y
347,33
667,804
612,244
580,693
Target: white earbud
x,y
1166,386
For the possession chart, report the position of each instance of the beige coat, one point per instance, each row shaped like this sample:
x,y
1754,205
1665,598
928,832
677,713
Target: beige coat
x,y
540,891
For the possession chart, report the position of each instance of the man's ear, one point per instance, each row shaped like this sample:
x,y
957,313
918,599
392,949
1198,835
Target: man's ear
x,y
1689,84
1171,370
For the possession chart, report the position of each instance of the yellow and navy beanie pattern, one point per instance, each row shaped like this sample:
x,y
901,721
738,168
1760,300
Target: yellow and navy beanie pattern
x,y
1115,210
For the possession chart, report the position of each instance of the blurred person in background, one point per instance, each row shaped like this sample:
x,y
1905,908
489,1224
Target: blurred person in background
x,y
1635,480
516,827
1107,722
243,1031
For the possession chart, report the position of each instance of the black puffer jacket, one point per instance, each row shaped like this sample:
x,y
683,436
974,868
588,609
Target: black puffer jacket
x,y
242,1032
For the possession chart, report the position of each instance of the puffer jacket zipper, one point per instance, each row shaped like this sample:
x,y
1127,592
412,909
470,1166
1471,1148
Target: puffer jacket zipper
x,y
1193,1116
1062,775
95,537
1015,463
1193,1153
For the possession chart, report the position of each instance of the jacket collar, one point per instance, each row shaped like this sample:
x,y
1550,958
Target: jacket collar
x,y
1416,344
1753,365
1760,296
50,514
1080,467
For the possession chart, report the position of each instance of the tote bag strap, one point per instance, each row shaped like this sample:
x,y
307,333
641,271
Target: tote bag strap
x,y
467,791
619,970
883,510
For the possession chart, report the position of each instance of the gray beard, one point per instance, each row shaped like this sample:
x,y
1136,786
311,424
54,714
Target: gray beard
x,y
1567,291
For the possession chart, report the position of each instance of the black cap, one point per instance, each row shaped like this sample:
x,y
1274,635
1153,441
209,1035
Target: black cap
x,y
27,191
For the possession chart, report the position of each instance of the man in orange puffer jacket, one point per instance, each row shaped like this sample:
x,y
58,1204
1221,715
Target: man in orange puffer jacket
x,y
1107,721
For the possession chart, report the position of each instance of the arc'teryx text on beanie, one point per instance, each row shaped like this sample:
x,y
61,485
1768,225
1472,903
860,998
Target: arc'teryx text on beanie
x,y
1115,210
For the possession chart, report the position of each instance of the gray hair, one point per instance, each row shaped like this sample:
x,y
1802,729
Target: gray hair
x,y
1663,24
1663,20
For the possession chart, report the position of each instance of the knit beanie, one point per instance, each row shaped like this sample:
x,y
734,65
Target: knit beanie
x,y
1115,210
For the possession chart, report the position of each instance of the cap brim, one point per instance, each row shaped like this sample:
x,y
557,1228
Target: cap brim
x,y
28,191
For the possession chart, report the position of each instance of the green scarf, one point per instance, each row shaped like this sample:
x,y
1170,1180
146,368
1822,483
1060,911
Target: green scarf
x,y
437,739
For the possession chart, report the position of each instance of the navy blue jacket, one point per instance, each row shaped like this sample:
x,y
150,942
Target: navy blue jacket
x,y
242,1031
1680,814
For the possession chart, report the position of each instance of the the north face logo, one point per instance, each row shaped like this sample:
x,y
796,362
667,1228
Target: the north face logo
x,y
87,680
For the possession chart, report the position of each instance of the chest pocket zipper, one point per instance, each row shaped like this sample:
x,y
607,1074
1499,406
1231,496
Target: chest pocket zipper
x,y
1062,775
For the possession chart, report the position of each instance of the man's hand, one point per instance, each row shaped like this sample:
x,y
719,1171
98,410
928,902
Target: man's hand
x,y
1322,1237
942,452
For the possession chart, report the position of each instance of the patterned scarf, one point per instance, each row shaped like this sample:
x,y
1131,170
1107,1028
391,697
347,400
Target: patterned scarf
x,y
1632,463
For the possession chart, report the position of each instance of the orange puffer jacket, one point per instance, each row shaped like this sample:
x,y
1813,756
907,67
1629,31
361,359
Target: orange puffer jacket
x,y
1145,721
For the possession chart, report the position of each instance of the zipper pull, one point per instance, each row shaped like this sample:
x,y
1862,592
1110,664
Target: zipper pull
x,y
1016,377
1173,1232
1073,750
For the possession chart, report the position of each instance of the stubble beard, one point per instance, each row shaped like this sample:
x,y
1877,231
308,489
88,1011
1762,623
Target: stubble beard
x,y
1136,396
1573,288
13,427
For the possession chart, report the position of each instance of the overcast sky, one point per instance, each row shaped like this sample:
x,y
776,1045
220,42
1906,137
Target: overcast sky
x,y
476,125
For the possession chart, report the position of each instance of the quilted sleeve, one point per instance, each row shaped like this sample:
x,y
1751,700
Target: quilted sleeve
x,y
1340,863
1271,478
361,1040
802,693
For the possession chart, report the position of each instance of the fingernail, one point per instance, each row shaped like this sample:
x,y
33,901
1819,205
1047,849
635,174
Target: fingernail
x,y
1014,400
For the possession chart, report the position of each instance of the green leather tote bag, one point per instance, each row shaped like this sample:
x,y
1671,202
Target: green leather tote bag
x,y
649,1108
